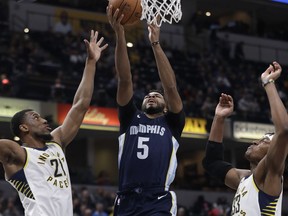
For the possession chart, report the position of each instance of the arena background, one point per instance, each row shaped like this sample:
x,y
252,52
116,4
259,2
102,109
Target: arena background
x,y
201,49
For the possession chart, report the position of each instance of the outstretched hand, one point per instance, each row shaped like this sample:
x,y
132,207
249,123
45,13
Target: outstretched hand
x,y
114,19
93,47
225,106
272,72
154,32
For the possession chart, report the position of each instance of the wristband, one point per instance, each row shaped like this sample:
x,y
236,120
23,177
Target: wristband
x,y
155,43
267,82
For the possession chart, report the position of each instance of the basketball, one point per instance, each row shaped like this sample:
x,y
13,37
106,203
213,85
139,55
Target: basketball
x,y
131,9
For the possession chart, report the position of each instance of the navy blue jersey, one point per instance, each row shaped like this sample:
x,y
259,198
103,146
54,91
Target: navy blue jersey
x,y
147,148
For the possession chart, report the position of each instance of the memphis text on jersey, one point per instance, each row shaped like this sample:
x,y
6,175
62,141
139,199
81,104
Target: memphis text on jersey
x,y
149,129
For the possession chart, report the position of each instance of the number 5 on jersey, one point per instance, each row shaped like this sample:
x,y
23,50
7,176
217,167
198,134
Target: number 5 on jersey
x,y
143,149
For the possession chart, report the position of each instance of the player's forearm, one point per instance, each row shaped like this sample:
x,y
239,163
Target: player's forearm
x,y
168,80
165,70
122,62
217,129
278,110
85,89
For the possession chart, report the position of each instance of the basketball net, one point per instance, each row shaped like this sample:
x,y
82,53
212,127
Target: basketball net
x,y
158,11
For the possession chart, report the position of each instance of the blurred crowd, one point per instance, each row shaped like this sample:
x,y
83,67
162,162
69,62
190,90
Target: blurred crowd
x,y
47,66
200,22
99,202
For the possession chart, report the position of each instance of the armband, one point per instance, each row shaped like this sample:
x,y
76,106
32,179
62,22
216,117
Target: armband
x,y
213,161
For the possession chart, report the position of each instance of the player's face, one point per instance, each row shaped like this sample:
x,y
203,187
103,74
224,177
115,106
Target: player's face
x,y
258,149
153,103
37,126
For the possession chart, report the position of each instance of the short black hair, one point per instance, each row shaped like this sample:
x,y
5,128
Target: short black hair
x,y
17,120
160,91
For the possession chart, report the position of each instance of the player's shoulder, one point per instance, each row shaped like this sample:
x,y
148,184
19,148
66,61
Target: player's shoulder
x,y
176,117
54,144
9,144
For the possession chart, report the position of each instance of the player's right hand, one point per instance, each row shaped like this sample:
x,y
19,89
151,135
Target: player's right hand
x,y
114,19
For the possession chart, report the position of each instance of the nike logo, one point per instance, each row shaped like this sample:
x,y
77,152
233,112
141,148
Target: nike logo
x,y
160,197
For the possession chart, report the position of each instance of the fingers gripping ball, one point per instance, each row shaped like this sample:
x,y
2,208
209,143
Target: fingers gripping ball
x,y
131,9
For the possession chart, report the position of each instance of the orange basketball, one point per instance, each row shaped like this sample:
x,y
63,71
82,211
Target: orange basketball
x,y
130,8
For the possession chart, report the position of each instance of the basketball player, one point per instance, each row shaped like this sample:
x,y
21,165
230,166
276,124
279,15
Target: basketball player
x,y
149,138
38,170
260,189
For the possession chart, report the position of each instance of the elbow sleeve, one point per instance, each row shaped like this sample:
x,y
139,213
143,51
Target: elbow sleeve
x,y
213,161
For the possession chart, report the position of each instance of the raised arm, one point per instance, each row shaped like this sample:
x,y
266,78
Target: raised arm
x,y
223,109
272,166
165,71
122,63
68,130
213,161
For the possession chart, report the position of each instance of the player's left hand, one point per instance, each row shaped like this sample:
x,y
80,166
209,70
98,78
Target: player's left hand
x,y
154,32
225,106
93,47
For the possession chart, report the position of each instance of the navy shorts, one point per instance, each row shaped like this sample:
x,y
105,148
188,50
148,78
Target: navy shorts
x,y
149,203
